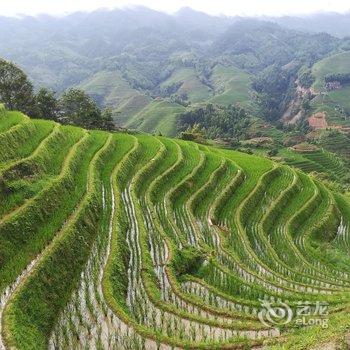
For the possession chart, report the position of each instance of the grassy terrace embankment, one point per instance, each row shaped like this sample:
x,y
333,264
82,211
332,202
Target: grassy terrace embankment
x,y
119,241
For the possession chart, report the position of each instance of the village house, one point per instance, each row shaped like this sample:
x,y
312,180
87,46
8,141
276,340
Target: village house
x,y
318,121
333,85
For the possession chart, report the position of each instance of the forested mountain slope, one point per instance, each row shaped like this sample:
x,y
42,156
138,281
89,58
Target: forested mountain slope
x,y
130,59
121,241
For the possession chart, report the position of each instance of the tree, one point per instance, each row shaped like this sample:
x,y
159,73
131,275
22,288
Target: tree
x,y
234,142
193,133
216,121
272,152
78,108
305,105
107,122
46,104
305,77
188,260
302,126
16,91
272,86
343,78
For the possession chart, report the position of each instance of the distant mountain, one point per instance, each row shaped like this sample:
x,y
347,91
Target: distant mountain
x,y
332,23
132,59
60,52
196,21
49,48
256,44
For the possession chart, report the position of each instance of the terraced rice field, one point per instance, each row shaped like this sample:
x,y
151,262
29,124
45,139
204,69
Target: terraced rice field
x,y
319,161
120,241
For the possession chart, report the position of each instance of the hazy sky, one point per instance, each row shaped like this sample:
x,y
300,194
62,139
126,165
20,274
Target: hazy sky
x,y
226,7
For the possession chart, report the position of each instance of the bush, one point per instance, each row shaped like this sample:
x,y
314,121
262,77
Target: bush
x,y
272,152
187,261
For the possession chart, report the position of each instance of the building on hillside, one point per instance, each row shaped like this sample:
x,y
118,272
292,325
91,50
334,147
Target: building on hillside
x,y
345,130
318,121
333,85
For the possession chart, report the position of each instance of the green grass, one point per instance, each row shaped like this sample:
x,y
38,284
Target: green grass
x,y
66,253
23,179
37,216
10,119
341,97
26,135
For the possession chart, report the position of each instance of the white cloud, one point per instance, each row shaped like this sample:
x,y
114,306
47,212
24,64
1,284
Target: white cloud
x,y
226,7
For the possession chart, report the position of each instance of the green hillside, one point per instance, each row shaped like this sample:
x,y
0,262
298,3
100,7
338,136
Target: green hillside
x,y
341,97
231,85
157,117
335,103
188,82
130,107
339,63
120,241
110,89
135,109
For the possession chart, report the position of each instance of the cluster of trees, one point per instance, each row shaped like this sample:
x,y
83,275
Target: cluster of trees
x,y
172,91
16,92
305,77
272,86
73,107
194,133
214,122
342,78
